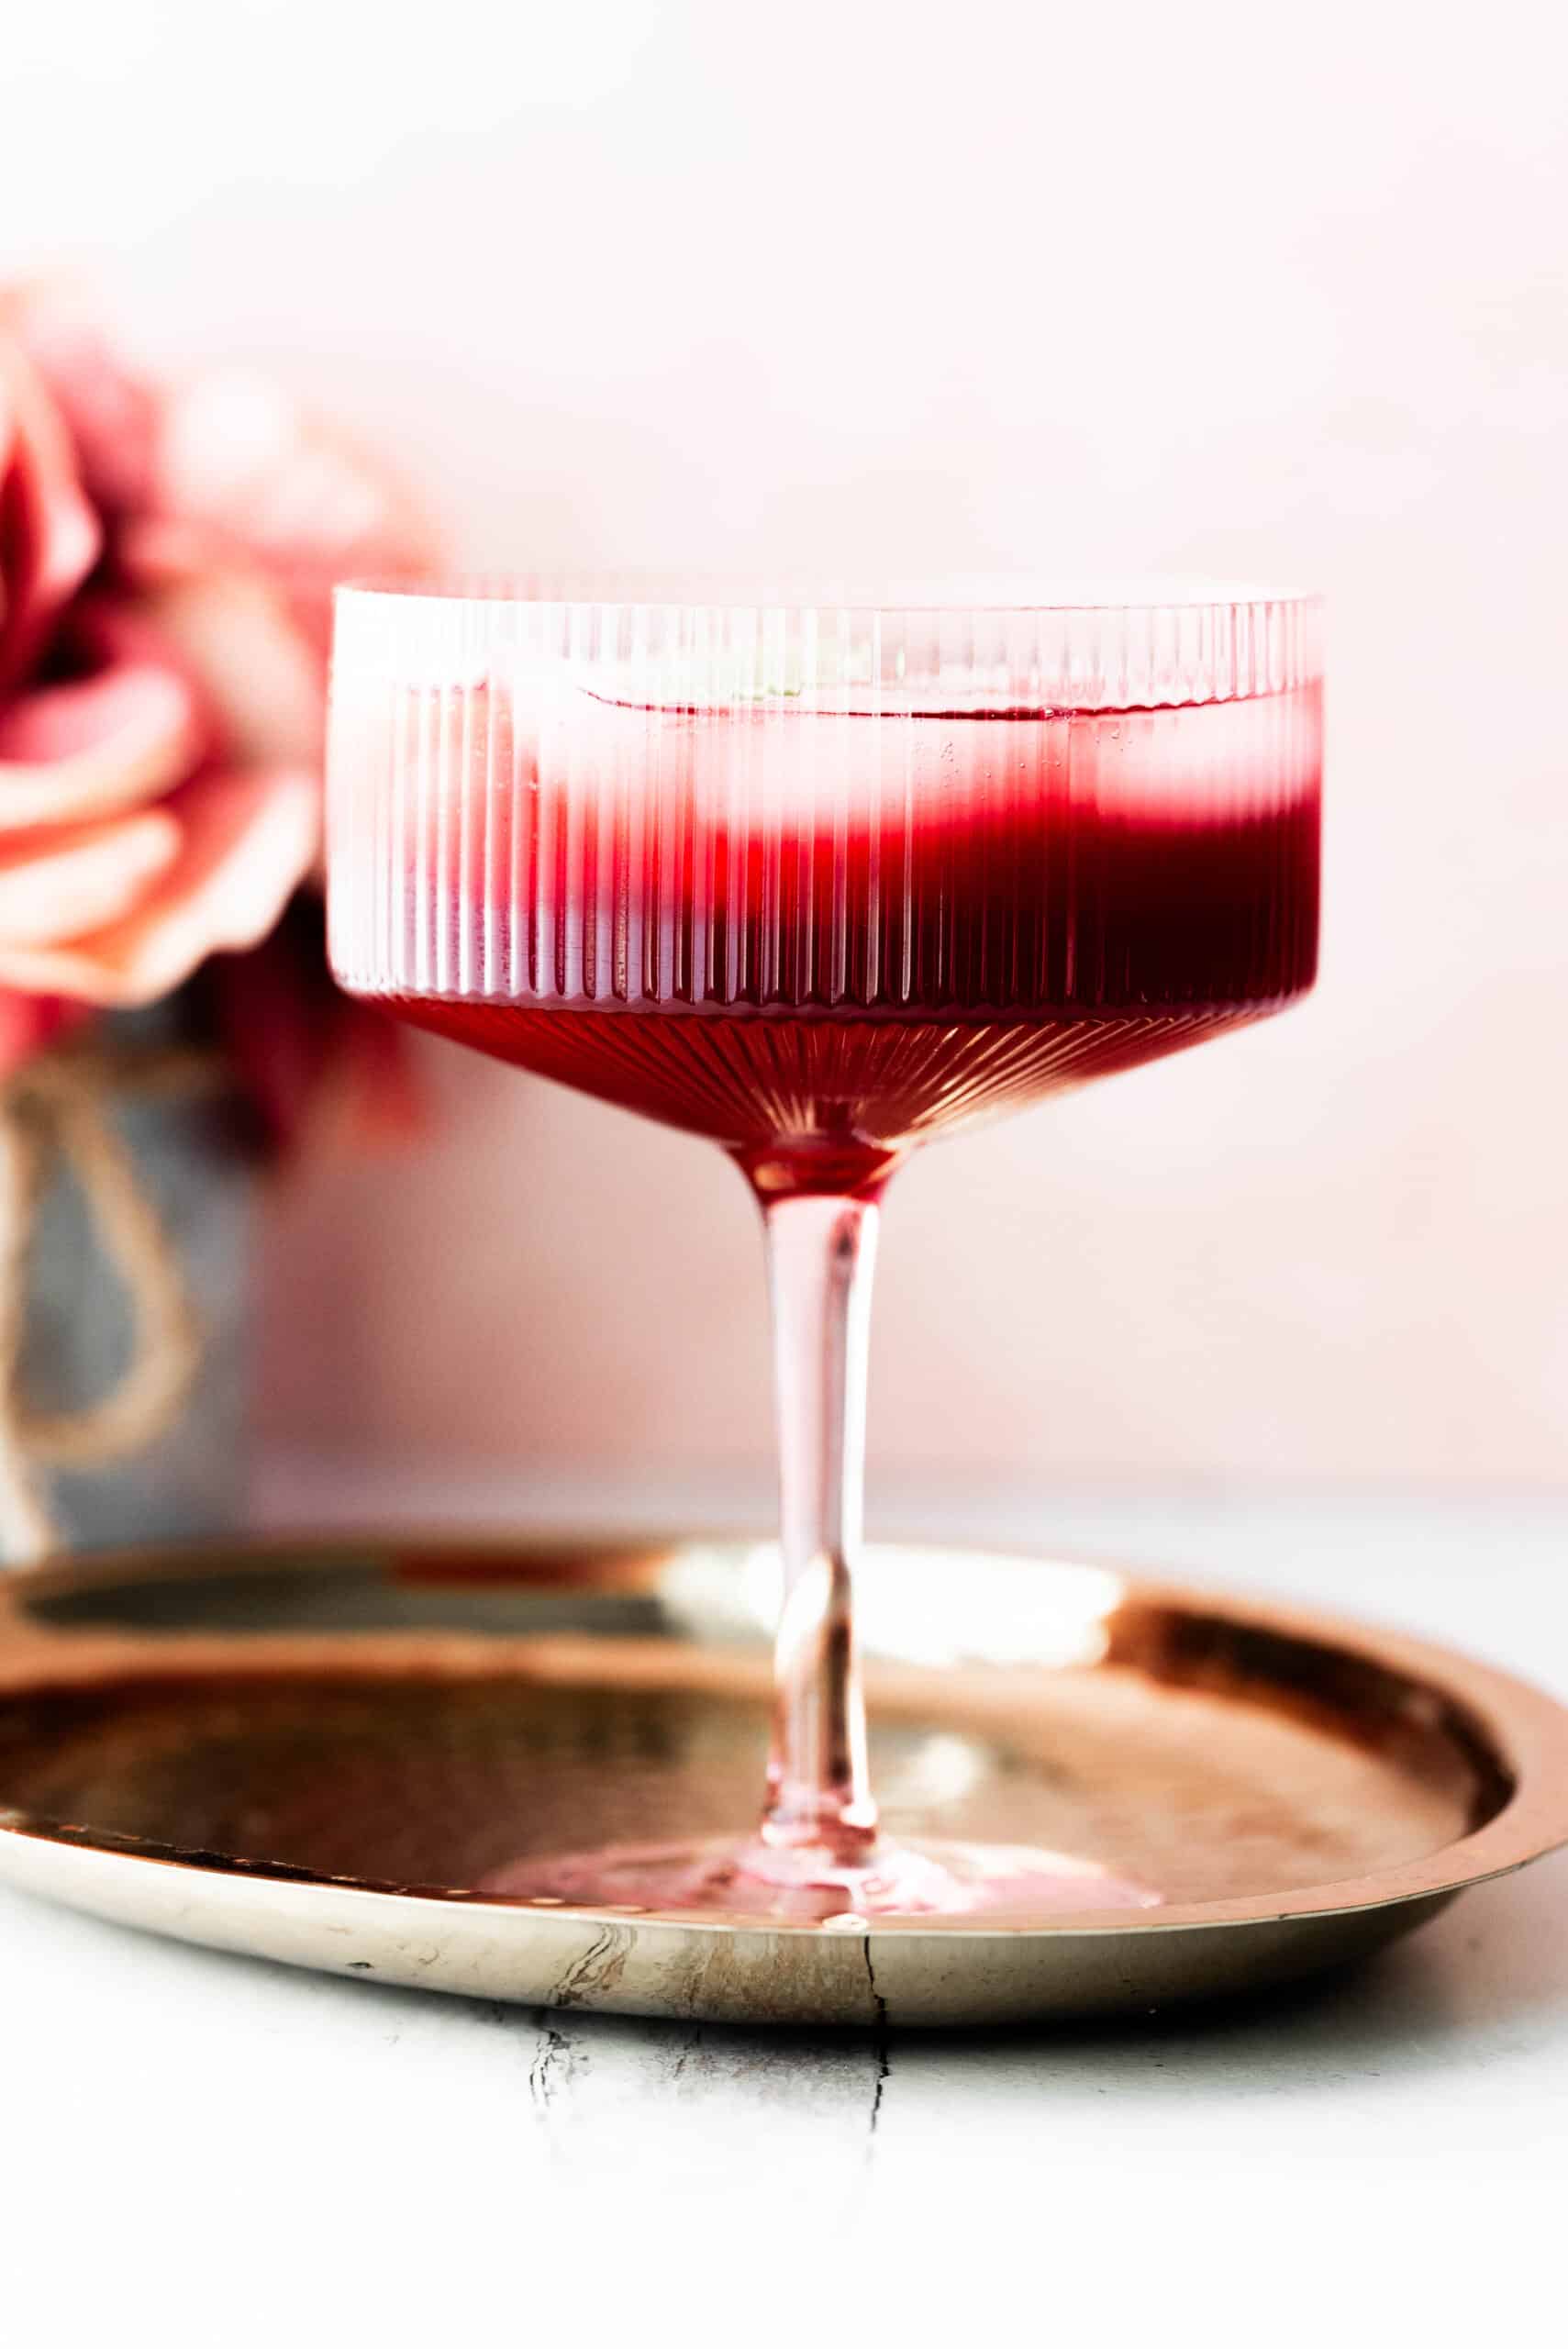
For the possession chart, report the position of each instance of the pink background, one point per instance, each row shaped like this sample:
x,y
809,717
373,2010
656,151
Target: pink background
x,y
1194,289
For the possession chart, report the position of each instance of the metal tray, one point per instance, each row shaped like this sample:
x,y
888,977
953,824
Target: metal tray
x,y
312,1752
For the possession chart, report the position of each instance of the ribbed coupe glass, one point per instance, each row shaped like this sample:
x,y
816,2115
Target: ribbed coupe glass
x,y
822,880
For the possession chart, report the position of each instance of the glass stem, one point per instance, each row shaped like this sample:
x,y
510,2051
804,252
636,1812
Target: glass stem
x,y
821,1254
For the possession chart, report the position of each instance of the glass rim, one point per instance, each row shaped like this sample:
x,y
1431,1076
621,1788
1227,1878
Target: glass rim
x,y
983,597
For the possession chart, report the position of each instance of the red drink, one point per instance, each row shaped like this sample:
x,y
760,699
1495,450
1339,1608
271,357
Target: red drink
x,y
819,882
819,939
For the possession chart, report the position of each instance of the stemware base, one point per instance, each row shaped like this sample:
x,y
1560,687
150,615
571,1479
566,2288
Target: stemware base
x,y
743,1877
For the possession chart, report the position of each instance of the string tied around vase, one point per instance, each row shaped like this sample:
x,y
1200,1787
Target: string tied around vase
x,y
57,1118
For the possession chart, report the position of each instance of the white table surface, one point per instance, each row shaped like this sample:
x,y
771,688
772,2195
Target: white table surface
x,y
196,2148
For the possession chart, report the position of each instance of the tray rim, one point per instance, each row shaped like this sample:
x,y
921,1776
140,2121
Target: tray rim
x,y
1527,1726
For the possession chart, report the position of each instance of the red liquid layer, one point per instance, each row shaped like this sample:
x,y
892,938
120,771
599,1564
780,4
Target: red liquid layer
x,y
824,1104
817,940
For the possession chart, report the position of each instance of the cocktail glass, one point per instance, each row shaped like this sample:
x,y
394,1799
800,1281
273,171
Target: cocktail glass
x,y
822,880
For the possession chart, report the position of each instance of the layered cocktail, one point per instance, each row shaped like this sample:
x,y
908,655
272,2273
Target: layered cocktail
x,y
821,883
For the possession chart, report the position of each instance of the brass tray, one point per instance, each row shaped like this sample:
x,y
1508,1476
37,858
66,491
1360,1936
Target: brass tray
x,y
313,1751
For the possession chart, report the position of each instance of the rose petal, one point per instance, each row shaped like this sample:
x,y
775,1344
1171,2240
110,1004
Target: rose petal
x,y
239,457
48,537
87,749
156,551
123,734
28,1022
247,839
236,631
64,883
239,452
112,414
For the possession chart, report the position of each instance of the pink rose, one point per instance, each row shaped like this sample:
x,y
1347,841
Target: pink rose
x,y
166,560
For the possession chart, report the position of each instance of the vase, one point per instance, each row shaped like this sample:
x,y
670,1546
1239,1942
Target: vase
x,y
184,1150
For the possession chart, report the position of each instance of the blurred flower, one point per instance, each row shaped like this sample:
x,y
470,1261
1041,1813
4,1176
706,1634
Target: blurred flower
x,y
167,553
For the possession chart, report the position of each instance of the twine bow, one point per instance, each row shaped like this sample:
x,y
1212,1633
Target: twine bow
x,y
54,1116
